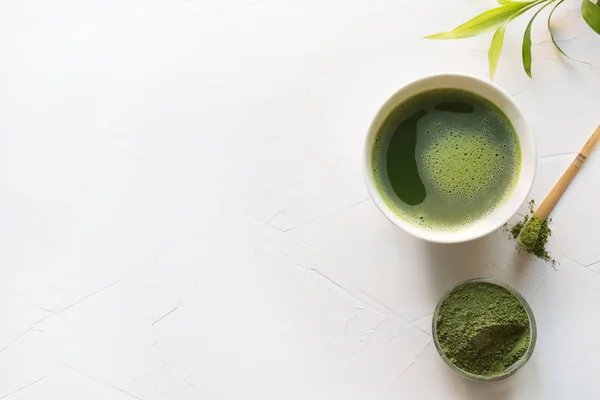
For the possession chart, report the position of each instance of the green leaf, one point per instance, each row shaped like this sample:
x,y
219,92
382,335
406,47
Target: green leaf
x,y
527,41
552,35
484,22
504,2
591,14
498,39
550,29
496,49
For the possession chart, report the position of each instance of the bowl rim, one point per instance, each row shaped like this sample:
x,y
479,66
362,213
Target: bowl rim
x,y
514,367
457,236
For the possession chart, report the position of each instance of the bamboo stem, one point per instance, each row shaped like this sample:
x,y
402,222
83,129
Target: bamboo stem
x,y
557,191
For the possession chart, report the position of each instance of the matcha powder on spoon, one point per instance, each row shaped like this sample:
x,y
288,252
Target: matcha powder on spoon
x,y
535,237
482,328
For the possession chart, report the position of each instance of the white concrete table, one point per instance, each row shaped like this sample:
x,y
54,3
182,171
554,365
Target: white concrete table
x,y
182,212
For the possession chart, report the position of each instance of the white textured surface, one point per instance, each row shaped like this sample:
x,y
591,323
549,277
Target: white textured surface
x,y
182,214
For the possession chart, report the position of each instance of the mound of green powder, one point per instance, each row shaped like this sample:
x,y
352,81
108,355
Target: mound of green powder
x,y
538,248
483,328
530,233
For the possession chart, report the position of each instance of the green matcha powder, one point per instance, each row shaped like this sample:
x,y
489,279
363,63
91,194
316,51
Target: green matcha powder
x,y
483,328
535,237
531,232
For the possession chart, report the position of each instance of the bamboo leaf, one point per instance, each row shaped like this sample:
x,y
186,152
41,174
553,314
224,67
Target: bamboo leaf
x,y
496,49
550,29
504,2
552,35
498,39
591,14
484,22
526,51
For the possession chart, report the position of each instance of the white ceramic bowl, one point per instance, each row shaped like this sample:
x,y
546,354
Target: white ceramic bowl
x,y
503,212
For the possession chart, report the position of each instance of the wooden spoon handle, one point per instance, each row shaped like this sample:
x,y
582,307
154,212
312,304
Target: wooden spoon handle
x,y
557,191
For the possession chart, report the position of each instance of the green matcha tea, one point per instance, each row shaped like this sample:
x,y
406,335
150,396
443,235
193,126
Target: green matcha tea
x,y
445,158
482,328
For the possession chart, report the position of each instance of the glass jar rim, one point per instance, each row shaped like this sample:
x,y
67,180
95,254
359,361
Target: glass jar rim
x,y
514,367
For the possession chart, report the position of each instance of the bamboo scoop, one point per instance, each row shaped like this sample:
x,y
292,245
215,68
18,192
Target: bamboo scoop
x,y
531,231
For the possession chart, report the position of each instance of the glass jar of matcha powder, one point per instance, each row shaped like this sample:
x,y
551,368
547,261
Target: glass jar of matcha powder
x,y
484,329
